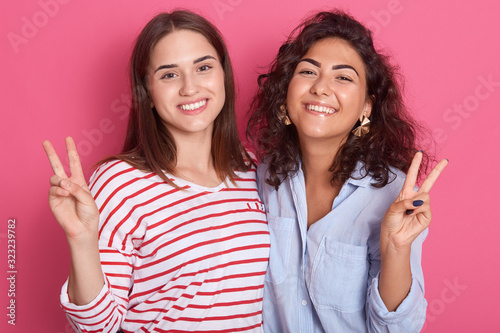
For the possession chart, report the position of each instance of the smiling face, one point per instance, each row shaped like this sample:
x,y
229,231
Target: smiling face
x,y
327,93
186,83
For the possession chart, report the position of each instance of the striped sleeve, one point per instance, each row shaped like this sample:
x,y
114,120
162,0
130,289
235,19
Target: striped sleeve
x,y
119,235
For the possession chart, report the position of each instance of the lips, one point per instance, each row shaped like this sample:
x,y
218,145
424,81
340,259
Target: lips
x,y
320,108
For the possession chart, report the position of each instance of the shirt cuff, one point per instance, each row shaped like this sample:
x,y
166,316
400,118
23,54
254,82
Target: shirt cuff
x,y
88,314
409,307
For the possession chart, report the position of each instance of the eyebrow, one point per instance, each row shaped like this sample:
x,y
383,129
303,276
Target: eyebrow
x,y
317,64
194,62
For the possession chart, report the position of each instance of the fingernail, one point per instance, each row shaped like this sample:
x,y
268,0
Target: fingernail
x,y
409,211
418,203
65,183
447,159
420,151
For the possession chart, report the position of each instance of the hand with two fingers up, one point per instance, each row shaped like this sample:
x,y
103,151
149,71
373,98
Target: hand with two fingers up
x,y
69,197
76,212
407,217
410,214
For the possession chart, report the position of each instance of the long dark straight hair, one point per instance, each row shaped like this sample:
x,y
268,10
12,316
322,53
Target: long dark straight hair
x,y
149,146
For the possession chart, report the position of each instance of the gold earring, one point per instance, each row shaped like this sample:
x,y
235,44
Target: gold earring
x,y
363,128
283,116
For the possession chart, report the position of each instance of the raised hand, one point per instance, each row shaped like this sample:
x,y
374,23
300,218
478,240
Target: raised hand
x,y
410,214
69,197
76,211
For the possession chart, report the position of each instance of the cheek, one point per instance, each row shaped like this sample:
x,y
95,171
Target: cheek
x,y
293,91
218,87
216,82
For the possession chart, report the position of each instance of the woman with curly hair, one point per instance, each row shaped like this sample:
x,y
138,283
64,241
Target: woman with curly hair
x,y
338,170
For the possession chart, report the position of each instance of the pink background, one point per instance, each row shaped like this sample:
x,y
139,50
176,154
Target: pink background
x,y
64,72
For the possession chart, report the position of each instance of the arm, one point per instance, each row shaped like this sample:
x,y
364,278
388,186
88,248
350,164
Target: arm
x,y
410,313
403,222
75,210
95,297
395,300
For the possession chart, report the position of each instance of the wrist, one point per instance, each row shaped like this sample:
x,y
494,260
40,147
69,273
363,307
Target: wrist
x,y
394,249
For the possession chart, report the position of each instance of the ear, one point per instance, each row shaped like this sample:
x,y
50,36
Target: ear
x,y
367,109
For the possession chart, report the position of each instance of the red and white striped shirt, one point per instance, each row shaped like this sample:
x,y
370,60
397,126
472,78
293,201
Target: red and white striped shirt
x,y
176,260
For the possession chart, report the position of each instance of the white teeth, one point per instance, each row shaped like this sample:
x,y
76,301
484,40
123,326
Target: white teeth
x,y
194,106
322,109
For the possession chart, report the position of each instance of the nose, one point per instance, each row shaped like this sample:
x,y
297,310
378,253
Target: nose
x,y
189,85
321,87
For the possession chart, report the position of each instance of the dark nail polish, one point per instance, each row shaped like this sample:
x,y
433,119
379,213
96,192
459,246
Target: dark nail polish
x,y
447,159
420,151
417,203
409,211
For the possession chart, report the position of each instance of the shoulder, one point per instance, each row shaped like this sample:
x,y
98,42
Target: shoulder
x,y
115,174
248,154
262,174
386,193
396,178
251,163
383,196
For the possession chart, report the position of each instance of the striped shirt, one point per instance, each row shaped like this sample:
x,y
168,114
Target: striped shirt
x,y
175,260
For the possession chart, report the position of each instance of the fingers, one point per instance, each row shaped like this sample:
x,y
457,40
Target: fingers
x,y
74,161
56,191
412,175
55,180
54,160
433,176
65,187
415,205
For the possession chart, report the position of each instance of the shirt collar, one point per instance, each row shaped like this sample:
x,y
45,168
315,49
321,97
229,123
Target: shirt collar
x,y
359,176
358,172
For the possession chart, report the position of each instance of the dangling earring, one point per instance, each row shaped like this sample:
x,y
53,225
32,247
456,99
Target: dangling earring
x,y
283,116
363,128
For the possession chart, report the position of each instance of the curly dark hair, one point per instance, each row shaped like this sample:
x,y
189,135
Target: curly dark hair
x,y
391,141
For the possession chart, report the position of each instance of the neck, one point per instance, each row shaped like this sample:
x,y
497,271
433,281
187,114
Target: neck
x,y
195,162
317,158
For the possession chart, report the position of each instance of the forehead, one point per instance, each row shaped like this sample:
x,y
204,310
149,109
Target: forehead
x,y
181,45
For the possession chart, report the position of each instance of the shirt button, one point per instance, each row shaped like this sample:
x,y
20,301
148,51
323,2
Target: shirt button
x,y
304,302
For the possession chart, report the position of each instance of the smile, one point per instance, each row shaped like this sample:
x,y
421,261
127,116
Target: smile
x,y
193,106
321,109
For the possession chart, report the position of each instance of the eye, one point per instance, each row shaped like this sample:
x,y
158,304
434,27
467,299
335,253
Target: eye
x,y
344,78
168,76
204,68
306,72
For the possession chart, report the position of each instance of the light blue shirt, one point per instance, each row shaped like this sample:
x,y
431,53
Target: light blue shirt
x,y
325,279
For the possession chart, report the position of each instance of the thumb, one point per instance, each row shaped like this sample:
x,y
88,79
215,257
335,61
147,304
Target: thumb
x,y
76,191
407,206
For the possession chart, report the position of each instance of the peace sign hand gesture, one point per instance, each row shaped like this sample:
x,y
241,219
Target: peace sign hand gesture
x,y
69,197
410,214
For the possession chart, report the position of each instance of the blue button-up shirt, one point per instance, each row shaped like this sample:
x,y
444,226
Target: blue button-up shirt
x,y
325,279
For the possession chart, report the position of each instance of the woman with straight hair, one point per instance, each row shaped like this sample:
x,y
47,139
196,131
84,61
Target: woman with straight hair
x,y
339,165
176,239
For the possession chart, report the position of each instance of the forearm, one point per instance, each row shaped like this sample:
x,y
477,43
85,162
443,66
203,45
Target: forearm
x,y
395,275
85,278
